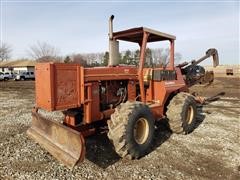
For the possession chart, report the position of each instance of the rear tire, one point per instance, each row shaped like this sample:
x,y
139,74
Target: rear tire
x,y
131,129
181,113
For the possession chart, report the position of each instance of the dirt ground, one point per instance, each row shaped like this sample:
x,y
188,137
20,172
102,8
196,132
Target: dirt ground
x,y
211,151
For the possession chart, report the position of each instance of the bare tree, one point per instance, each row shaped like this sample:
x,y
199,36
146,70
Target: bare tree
x,y
161,56
93,58
5,51
177,57
43,51
79,59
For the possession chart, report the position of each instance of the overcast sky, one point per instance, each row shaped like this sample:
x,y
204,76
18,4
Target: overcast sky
x,y
82,27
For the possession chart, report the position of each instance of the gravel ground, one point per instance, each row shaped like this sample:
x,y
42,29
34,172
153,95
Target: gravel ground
x,y
211,151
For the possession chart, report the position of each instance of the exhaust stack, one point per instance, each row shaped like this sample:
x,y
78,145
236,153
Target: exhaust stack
x,y
113,45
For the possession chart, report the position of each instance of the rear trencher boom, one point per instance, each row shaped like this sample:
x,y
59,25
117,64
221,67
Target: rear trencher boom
x,y
127,99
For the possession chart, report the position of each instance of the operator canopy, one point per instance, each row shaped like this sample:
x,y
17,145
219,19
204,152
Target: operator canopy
x,y
136,35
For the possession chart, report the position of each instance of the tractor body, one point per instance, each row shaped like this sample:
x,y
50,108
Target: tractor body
x,y
127,98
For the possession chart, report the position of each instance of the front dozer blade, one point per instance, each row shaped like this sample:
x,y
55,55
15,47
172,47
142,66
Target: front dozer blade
x,y
64,143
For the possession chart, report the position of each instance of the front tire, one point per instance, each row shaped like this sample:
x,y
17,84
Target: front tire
x,y
181,113
131,129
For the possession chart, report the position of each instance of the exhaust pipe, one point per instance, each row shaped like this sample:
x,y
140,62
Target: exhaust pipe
x,y
113,45
111,27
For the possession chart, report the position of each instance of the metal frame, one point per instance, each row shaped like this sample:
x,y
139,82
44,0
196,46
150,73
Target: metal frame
x,y
142,36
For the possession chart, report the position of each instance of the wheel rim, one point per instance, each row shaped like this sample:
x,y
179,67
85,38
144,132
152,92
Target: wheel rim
x,y
190,113
141,130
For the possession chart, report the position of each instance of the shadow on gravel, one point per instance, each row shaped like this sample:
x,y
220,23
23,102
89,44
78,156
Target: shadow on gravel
x,y
100,151
163,132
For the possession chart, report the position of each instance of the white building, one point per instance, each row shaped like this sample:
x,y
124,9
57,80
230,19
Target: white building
x,y
17,66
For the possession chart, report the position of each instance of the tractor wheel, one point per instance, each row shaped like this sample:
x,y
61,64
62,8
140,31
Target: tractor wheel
x,y
181,113
131,129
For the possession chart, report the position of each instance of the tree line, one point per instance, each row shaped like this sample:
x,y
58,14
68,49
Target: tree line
x,y
44,52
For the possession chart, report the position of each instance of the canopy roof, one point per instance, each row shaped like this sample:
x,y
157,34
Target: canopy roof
x,y
136,35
